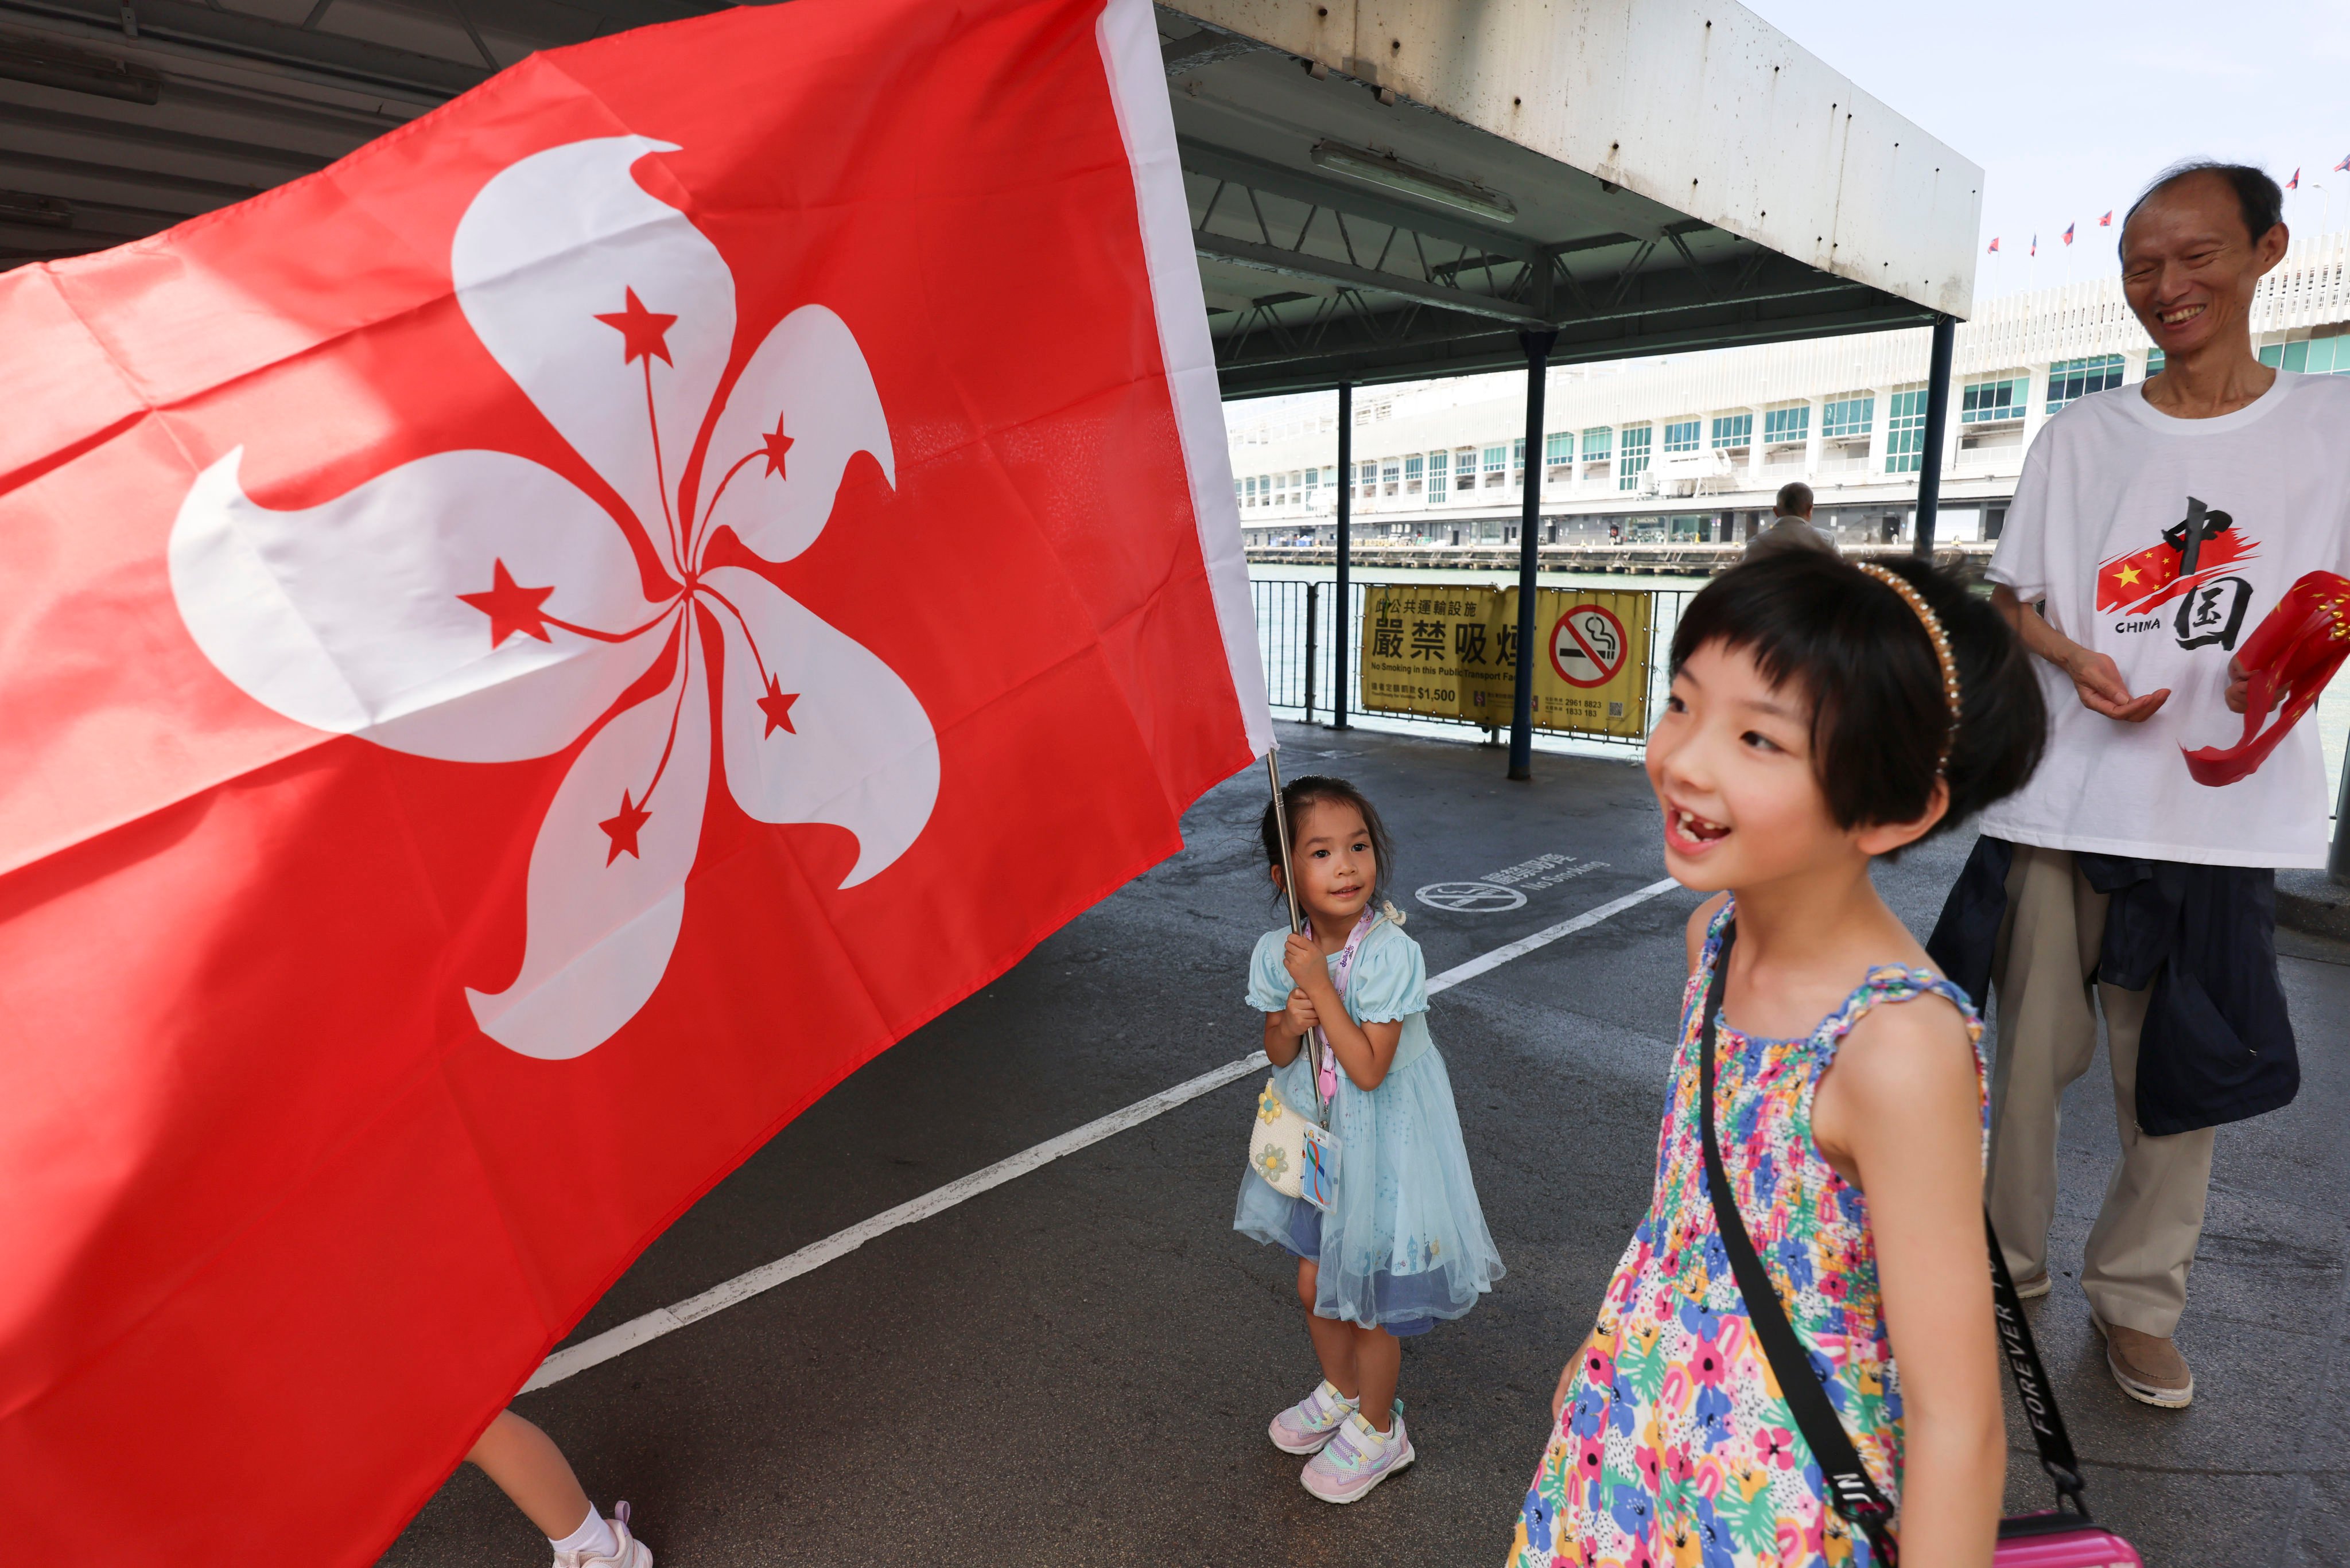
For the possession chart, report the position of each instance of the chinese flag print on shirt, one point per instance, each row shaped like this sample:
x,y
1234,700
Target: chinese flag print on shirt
x,y
2202,546
532,653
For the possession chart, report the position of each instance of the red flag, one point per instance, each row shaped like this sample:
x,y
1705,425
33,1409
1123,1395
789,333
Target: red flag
x,y
2036,247
533,652
2344,166
2068,233
1994,245
2107,221
2293,183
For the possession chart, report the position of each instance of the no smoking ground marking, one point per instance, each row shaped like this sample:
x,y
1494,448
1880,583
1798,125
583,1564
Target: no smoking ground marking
x,y
1470,898
1588,646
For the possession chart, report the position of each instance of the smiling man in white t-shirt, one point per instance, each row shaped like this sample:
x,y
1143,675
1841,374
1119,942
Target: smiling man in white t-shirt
x,y
2153,526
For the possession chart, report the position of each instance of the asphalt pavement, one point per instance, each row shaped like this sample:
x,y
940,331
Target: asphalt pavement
x,y
1076,1367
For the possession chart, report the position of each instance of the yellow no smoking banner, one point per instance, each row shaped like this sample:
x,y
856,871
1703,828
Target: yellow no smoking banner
x,y
1450,653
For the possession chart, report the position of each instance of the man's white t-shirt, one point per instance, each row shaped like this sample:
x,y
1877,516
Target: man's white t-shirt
x,y
2114,492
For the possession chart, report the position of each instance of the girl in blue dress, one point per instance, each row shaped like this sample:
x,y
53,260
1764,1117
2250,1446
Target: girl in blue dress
x,y
1403,1246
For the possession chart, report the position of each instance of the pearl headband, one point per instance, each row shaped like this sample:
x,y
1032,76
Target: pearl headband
x,y
1941,642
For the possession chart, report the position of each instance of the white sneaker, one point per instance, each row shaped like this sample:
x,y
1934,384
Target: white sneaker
x,y
632,1552
1356,1460
1313,1421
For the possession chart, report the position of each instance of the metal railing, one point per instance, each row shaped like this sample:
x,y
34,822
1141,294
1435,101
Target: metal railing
x,y
1293,636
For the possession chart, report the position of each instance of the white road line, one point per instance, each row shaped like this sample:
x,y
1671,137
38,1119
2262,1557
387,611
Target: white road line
x,y
653,1325
1544,938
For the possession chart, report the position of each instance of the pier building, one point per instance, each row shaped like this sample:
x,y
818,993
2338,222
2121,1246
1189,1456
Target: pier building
x,y
1691,448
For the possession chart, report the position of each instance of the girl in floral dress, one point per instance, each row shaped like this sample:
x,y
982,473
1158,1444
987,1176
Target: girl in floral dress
x,y
1822,714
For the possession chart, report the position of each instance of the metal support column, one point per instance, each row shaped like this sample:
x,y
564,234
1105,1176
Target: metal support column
x,y
1342,608
1522,706
1937,415
1313,608
2337,857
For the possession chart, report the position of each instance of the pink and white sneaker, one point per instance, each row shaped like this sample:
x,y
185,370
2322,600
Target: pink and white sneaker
x,y
1357,1458
1313,1421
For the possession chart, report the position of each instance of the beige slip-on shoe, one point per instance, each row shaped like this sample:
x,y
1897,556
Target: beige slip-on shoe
x,y
2147,1367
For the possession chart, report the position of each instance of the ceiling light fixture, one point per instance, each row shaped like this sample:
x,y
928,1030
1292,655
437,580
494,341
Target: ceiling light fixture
x,y
50,64
1386,168
42,212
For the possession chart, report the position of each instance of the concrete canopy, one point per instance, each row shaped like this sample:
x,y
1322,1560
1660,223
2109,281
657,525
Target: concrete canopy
x,y
1380,190
1385,190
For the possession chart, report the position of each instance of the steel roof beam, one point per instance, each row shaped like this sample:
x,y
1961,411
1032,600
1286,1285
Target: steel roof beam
x,y
1275,179
154,143
1299,265
326,57
1413,356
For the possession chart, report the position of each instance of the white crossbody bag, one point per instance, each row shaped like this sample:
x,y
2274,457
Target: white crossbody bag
x,y
1298,1155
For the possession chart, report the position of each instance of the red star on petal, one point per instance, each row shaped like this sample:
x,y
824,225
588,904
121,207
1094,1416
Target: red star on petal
x,y
641,331
511,606
622,829
778,443
778,706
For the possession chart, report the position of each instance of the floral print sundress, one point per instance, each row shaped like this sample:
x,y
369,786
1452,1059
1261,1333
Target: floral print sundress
x,y
1675,1448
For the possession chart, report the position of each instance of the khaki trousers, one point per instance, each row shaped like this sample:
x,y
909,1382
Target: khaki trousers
x,y
2133,1269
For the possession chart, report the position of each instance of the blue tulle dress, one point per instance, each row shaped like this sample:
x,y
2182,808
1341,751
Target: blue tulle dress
x,y
1405,1246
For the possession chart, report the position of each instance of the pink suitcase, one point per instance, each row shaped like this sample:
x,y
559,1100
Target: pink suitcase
x,y
2061,1539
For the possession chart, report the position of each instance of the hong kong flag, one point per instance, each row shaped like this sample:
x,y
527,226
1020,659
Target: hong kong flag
x,y
529,655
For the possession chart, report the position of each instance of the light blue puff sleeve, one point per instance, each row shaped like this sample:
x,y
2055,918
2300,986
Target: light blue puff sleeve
x,y
1269,982
1390,979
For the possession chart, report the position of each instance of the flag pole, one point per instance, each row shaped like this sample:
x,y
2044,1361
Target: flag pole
x,y
1281,827
1289,886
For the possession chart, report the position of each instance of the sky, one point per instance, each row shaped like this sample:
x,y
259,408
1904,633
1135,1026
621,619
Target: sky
x,y
2071,106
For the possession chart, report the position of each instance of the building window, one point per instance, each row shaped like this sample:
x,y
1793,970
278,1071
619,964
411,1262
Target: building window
x,y
1786,426
1905,432
1633,460
1437,462
1683,435
1596,442
1734,429
1558,448
2071,379
1845,418
1497,459
1313,478
1989,402
2155,358
1518,461
1411,467
2312,357
1366,475
1390,469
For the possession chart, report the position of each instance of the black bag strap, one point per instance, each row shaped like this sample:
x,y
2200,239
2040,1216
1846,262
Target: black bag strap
x,y
2032,1388
1850,1488
1857,1496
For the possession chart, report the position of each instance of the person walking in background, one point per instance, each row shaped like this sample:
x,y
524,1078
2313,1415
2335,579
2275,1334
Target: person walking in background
x,y
1792,528
1821,714
1403,1245
2153,526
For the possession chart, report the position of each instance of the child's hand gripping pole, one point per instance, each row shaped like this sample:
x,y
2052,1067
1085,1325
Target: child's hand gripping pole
x,y
1289,886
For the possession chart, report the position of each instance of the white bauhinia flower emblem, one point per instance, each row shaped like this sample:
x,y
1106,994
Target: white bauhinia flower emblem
x,y
477,607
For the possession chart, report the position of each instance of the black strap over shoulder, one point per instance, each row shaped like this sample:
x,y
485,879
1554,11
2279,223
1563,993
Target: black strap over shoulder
x,y
1850,1488
1854,1494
